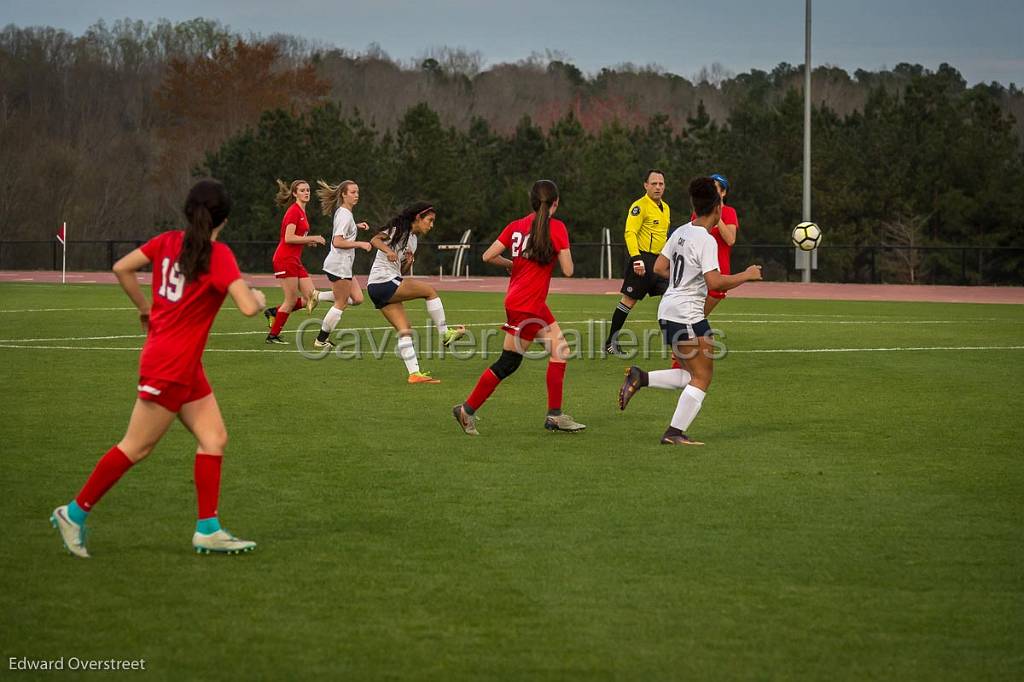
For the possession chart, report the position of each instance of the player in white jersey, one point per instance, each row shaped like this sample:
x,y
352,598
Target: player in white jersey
x,y
340,199
690,260
388,288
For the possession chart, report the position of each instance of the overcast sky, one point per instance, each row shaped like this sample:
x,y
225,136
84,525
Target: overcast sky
x,y
982,38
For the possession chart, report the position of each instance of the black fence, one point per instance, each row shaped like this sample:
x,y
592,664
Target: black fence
x,y
860,264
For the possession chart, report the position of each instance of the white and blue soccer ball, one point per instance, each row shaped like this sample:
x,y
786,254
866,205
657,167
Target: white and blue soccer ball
x,y
807,236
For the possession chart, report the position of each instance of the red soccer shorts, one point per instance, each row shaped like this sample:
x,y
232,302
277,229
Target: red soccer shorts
x,y
289,266
526,325
171,395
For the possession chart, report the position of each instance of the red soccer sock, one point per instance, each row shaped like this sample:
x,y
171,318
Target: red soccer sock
x,y
555,379
107,472
279,321
485,386
207,477
299,304
675,364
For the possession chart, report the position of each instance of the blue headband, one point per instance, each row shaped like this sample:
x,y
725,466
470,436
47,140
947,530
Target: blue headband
x,y
720,179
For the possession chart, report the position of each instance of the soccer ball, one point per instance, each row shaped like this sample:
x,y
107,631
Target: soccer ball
x,y
807,236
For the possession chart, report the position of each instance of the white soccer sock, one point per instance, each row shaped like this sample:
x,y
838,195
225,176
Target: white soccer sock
x,y
325,296
407,352
331,320
688,407
673,379
436,311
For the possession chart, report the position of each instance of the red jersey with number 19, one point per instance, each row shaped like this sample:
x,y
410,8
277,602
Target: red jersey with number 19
x,y
528,287
182,314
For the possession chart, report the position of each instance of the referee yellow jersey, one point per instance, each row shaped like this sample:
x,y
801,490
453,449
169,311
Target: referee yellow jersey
x,y
646,226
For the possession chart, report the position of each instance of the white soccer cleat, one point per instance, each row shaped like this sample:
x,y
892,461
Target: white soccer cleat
x,y
312,302
221,542
71,533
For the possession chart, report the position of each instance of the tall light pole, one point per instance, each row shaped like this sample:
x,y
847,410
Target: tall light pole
x,y
807,131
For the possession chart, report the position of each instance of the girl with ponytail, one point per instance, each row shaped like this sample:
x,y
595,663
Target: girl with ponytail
x,y
295,280
537,241
388,289
192,274
339,200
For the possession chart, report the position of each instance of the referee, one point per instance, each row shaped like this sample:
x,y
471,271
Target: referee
x,y
647,226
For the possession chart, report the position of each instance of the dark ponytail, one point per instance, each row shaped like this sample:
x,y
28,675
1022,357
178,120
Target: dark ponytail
x,y
402,223
206,208
540,248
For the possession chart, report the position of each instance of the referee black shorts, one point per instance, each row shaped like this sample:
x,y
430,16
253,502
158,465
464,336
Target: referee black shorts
x,y
635,286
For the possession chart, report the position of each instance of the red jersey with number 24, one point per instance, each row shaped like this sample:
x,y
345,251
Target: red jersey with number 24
x,y
182,314
528,287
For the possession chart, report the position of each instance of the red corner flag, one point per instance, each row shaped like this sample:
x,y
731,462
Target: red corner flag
x,y
60,233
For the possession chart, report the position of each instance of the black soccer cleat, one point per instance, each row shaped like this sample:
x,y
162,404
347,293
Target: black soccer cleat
x,y
270,314
636,379
613,349
271,338
674,436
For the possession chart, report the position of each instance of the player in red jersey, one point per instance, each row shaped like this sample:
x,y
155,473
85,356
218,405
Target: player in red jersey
x,y
536,241
288,268
725,236
192,274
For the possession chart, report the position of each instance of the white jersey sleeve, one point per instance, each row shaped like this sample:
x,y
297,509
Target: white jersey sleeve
x,y
708,255
339,261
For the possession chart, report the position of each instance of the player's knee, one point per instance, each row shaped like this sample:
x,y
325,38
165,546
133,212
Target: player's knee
x,y
134,451
214,442
506,364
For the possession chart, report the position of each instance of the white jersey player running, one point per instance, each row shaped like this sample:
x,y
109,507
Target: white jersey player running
x,y
690,261
345,289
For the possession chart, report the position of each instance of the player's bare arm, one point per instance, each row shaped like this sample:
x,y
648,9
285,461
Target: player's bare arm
x,y
379,242
249,301
493,255
340,242
716,280
662,266
727,231
125,269
307,240
565,262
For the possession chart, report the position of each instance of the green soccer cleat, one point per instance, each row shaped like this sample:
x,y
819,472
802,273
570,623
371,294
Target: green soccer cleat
x,y
453,334
467,422
221,542
71,533
563,422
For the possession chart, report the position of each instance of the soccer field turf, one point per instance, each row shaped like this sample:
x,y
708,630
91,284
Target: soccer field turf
x,y
854,514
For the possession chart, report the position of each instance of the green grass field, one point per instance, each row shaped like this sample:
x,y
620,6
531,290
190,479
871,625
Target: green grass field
x,y
854,515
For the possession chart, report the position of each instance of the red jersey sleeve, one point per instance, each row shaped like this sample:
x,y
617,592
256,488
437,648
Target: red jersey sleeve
x,y
559,235
729,216
151,249
223,267
506,235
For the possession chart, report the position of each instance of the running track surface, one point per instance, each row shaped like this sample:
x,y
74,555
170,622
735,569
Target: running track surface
x,y
835,292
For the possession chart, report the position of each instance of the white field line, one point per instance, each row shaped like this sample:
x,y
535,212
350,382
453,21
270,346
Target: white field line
x,y
893,349
563,324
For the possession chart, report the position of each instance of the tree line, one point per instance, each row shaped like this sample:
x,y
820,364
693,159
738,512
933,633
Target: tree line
x,y
107,129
